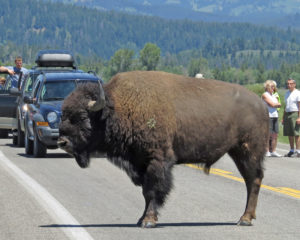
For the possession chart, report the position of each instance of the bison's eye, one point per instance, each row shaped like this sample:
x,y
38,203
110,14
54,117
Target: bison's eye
x,y
78,118
63,117
74,120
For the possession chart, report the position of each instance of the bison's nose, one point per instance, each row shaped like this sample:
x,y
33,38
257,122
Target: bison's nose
x,y
61,142
65,144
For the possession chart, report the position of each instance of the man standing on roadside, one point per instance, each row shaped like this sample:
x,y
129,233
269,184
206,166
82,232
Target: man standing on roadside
x,y
291,118
18,72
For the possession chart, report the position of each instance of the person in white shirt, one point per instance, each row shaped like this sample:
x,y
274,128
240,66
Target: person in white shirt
x,y
291,118
272,104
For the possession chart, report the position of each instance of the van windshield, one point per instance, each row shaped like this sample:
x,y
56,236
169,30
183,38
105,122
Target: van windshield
x,y
55,91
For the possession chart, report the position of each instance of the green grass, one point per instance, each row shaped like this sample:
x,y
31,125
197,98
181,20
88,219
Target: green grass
x,y
281,138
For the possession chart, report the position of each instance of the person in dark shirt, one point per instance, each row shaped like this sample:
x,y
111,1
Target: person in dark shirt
x,y
18,72
9,71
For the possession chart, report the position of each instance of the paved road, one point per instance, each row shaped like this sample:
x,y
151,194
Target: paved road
x,y
52,198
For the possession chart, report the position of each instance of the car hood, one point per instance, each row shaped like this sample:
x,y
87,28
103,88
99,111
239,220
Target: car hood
x,y
54,106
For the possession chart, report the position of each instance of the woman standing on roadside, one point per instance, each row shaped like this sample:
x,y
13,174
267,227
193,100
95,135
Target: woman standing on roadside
x,y
272,103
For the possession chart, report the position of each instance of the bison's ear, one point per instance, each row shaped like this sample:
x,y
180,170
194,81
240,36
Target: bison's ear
x,y
95,106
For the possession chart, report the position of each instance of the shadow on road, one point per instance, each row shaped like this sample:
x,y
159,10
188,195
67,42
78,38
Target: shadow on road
x,y
9,145
49,155
160,225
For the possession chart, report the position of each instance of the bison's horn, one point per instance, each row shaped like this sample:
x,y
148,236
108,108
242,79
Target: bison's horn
x,y
95,106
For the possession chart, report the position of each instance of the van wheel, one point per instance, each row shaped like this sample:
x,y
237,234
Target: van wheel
x,y
15,139
21,136
39,149
28,144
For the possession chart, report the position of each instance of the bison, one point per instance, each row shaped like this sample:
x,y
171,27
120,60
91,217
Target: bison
x,y
148,121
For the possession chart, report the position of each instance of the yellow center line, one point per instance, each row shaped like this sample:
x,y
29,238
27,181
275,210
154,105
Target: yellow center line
x,y
283,190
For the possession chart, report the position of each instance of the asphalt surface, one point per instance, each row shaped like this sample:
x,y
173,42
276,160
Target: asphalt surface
x,y
52,198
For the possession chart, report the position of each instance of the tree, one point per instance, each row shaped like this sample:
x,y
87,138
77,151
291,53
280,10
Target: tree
x,y
199,65
244,66
296,77
119,62
149,56
260,72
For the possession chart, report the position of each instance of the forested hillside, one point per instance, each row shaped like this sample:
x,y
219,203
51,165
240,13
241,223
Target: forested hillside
x,y
87,31
30,25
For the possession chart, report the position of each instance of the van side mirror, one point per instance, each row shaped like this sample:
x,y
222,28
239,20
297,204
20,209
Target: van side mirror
x,y
28,100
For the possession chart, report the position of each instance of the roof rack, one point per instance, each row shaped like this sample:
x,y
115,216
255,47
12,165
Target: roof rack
x,y
55,58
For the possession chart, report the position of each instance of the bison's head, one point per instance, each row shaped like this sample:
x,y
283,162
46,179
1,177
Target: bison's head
x,y
77,128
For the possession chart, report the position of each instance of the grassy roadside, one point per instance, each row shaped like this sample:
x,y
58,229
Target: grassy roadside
x,y
281,138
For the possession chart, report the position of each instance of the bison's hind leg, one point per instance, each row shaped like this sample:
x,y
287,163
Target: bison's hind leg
x,y
156,186
249,162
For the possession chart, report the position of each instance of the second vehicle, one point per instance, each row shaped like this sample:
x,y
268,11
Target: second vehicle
x,y
44,108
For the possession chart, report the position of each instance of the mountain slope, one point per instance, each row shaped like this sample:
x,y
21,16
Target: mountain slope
x,y
254,11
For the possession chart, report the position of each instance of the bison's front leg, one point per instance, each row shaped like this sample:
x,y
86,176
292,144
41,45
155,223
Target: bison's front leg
x,y
156,186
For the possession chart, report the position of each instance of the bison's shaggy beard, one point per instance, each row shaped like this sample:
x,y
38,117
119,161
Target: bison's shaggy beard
x,y
81,150
83,159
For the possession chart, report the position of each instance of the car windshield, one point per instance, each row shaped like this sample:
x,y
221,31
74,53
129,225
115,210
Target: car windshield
x,y
54,91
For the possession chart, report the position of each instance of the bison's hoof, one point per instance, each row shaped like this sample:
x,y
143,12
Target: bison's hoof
x,y
148,224
244,223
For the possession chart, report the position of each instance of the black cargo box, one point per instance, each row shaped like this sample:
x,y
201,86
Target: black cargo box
x,y
55,58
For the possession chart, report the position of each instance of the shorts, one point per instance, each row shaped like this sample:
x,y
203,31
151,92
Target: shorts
x,y
273,125
290,127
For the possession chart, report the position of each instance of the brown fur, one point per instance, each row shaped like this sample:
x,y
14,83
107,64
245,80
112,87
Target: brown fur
x,y
203,115
153,120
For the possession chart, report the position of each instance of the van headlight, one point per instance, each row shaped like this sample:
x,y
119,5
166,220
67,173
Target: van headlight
x,y
51,117
25,108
